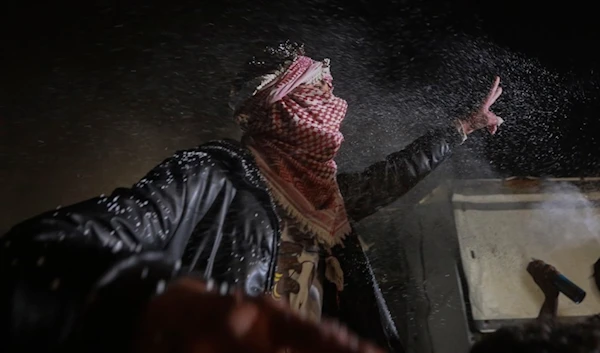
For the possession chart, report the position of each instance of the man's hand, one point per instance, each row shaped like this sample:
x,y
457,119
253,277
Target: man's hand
x,y
483,117
542,275
191,318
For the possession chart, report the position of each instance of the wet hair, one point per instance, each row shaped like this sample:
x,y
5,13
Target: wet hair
x,y
268,60
543,337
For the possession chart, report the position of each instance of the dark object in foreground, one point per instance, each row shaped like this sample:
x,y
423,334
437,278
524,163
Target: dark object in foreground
x,y
546,336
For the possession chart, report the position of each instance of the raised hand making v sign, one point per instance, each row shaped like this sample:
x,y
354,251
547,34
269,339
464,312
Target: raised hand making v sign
x,y
483,117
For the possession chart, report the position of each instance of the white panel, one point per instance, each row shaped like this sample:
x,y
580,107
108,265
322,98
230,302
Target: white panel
x,y
564,232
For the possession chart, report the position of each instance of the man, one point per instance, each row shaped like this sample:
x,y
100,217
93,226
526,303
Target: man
x,y
268,216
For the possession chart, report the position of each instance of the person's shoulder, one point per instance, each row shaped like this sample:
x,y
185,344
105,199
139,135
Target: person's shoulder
x,y
224,148
217,153
231,158
225,153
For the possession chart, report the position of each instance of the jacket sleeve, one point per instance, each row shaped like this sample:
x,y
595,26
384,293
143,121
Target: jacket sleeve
x,y
384,182
51,263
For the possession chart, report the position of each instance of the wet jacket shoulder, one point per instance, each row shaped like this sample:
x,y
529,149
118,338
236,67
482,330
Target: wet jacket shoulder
x,y
204,210
384,182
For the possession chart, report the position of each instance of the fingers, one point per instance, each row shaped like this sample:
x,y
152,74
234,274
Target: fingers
x,y
494,88
536,269
534,265
549,270
540,269
497,95
496,84
493,122
493,94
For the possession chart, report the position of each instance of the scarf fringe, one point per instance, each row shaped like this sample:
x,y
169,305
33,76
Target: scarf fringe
x,y
305,225
277,188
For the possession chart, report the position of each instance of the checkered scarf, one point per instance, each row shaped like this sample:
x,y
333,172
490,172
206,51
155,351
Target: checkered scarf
x,y
292,125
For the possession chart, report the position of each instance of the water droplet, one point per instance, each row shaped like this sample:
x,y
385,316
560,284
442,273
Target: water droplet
x,y
160,286
55,284
224,288
145,272
41,261
118,246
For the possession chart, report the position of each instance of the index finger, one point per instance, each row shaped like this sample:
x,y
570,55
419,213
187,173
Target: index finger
x,y
490,97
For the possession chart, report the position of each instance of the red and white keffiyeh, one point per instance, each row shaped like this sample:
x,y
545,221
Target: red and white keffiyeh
x,y
292,126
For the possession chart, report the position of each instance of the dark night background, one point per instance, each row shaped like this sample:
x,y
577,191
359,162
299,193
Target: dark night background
x,y
93,94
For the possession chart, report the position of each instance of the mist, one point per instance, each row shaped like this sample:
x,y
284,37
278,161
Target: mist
x,y
568,225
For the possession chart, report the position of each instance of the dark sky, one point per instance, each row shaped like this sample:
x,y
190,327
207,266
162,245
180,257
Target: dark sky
x,y
93,94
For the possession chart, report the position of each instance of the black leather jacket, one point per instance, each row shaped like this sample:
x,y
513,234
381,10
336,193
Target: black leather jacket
x,y
75,279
